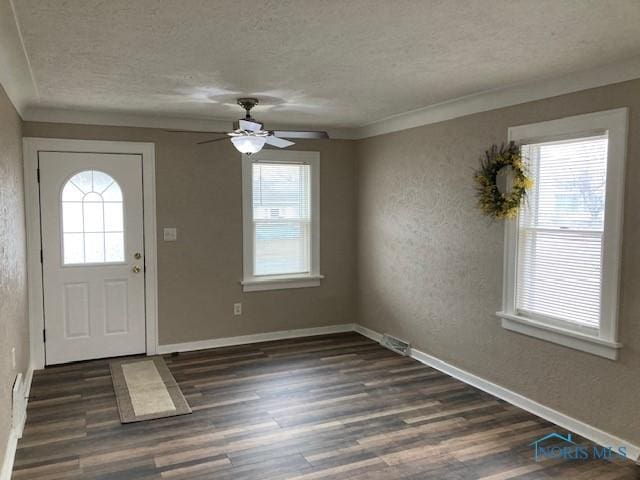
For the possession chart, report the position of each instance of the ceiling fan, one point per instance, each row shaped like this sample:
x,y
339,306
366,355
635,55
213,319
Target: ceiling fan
x,y
249,137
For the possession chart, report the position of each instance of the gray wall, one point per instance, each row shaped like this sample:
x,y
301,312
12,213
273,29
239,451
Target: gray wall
x,y
430,265
198,190
13,275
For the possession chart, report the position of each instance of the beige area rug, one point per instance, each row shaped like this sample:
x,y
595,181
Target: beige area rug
x,y
145,390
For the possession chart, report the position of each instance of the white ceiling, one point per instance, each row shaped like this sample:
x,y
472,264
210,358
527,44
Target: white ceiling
x,y
326,63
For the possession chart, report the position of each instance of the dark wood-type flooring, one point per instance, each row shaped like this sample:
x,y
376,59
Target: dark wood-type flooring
x,y
330,407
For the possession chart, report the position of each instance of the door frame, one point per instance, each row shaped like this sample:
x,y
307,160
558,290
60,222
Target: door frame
x,y
31,147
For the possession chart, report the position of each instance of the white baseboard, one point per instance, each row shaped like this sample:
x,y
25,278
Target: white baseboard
x,y
256,338
367,332
16,431
594,434
9,456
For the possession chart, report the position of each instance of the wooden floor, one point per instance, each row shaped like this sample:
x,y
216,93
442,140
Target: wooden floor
x,y
331,407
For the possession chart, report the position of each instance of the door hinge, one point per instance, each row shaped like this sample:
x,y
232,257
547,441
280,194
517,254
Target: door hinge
x,y
38,174
41,256
44,336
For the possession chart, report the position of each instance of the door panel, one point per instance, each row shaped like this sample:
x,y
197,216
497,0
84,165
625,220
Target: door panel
x,y
76,310
116,311
92,242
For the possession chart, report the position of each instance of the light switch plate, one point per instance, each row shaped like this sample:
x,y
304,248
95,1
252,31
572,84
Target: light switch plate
x,y
170,234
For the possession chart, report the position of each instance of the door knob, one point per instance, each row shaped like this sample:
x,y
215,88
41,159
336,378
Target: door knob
x,y
136,269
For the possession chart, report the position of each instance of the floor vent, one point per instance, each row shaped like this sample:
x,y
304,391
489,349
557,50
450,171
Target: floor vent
x,y
395,344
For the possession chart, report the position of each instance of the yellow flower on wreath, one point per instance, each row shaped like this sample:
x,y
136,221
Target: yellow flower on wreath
x,y
491,201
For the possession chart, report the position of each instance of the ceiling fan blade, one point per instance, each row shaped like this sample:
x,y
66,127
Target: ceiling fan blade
x,y
294,134
278,142
213,140
248,126
196,131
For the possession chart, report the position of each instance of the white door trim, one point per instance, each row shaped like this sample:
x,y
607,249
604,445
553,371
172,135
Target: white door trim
x,y
31,147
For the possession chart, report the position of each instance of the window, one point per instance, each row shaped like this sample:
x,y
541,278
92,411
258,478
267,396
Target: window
x,y
281,220
562,253
92,219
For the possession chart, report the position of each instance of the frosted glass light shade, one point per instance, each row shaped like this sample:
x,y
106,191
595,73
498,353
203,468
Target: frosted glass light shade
x,y
248,144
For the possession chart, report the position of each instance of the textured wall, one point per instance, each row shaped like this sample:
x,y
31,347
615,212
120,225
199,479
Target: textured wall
x,y
430,266
199,191
13,276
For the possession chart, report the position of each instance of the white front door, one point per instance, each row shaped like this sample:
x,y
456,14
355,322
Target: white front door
x,y
93,255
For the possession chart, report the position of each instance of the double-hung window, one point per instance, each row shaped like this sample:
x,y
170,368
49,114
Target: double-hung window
x,y
563,251
281,220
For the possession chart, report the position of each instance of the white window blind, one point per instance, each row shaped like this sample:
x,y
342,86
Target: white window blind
x,y
559,251
281,218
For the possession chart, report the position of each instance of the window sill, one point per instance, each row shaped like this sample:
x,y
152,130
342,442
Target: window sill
x,y
281,282
561,336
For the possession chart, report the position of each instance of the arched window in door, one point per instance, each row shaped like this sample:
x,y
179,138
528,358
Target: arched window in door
x,y
92,219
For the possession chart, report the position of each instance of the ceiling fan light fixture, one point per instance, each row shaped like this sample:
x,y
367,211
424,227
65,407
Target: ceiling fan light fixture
x,y
248,144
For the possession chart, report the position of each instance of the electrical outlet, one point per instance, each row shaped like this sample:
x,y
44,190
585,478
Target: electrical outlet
x,y
13,357
170,234
237,309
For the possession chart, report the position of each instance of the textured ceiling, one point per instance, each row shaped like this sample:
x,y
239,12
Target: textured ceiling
x,y
339,63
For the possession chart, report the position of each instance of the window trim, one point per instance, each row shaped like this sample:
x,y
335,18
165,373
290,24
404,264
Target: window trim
x,y
250,282
604,341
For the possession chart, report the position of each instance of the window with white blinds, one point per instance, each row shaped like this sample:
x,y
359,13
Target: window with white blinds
x,y
281,220
562,255
561,227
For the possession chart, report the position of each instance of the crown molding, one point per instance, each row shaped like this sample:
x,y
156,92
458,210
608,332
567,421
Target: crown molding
x,y
505,97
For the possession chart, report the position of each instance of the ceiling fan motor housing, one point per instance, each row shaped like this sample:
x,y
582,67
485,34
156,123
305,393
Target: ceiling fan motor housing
x,y
247,103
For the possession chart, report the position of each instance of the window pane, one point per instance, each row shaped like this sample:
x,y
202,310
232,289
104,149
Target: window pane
x,y
92,213
101,181
71,193
113,217
560,231
281,247
282,218
94,247
73,248
84,181
114,244
281,191
570,183
86,217
113,193
72,217
559,275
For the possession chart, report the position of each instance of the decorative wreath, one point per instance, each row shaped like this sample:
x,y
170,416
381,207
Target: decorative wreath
x,y
491,200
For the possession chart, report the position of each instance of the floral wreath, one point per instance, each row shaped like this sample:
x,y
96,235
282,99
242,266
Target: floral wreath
x,y
491,201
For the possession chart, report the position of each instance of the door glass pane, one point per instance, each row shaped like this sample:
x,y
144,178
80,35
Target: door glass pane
x,y
72,217
113,193
71,193
113,217
101,181
92,219
73,248
94,247
114,244
83,181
